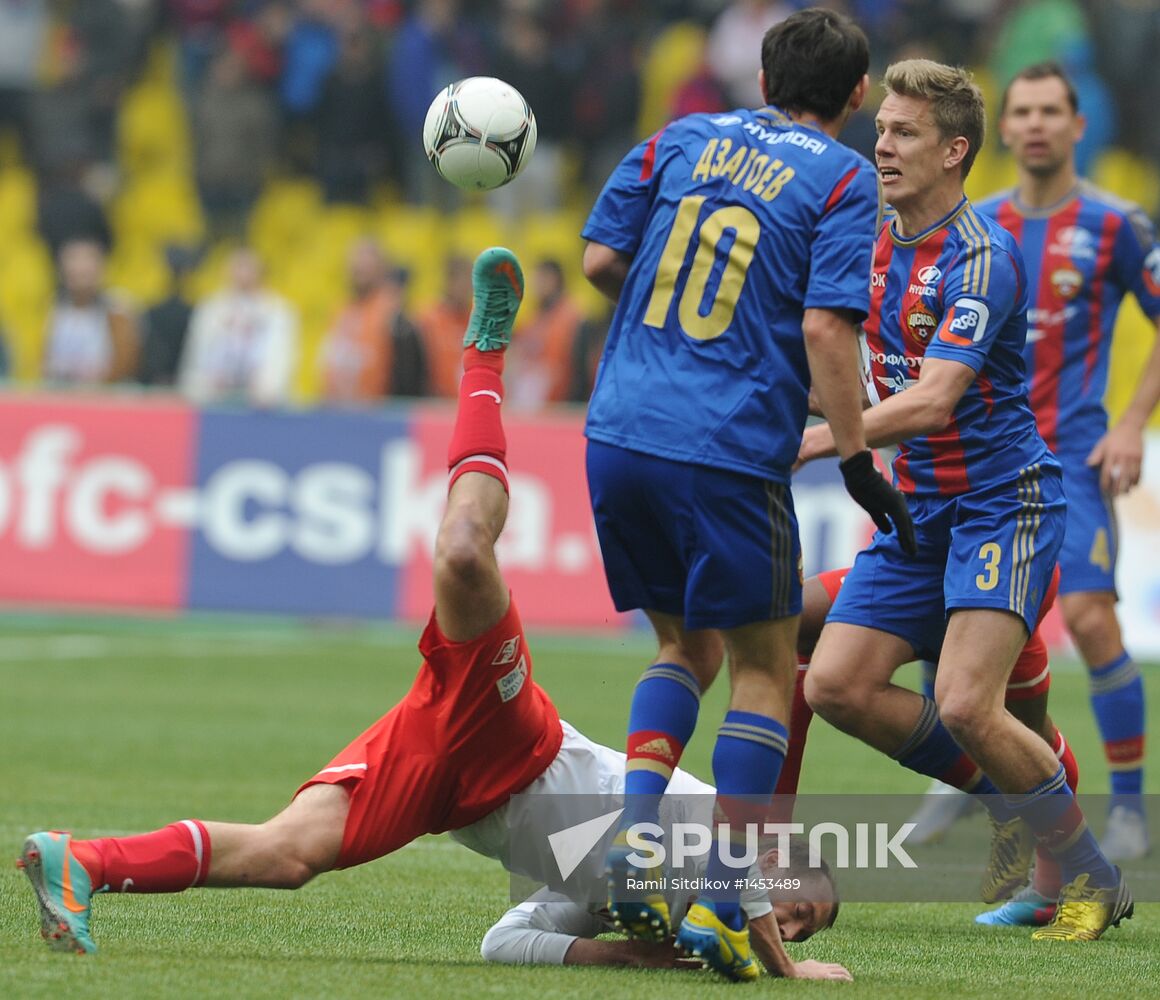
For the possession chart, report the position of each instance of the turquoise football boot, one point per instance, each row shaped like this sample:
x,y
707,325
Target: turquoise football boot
x,y
498,286
64,891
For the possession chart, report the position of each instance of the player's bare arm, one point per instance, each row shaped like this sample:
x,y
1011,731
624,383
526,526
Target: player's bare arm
x,y
1119,454
636,954
831,338
816,406
606,269
924,408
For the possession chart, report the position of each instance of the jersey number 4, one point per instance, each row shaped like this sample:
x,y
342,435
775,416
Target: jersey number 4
x,y
695,323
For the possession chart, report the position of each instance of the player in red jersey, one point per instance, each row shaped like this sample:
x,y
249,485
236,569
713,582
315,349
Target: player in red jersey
x,y
1085,250
473,730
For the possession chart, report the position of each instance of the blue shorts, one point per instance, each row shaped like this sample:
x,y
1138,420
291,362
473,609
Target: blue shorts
x,y
719,548
993,548
1087,560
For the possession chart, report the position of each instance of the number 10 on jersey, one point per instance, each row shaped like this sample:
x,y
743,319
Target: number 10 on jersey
x,y
708,235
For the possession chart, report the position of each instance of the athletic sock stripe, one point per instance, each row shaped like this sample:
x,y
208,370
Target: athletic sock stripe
x,y
1118,675
198,848
483,459
1048,787
754,734
648,764
1037,679
927,720
660,671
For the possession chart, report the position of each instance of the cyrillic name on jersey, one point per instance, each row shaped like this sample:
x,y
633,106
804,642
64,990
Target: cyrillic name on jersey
x,y
749,169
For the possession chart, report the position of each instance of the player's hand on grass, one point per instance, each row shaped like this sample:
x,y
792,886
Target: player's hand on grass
x,y
811,969
1119,454
878,498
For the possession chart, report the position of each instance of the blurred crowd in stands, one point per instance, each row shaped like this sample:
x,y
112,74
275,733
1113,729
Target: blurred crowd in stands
x,y
231,197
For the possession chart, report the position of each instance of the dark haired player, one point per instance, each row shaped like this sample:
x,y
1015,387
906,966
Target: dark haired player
x,y
474,729
736,247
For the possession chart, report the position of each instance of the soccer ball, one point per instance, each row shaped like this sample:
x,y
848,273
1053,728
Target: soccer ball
x,y
479,133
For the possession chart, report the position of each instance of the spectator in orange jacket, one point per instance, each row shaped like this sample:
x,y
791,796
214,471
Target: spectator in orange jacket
x,y
442,326
541,358
372,349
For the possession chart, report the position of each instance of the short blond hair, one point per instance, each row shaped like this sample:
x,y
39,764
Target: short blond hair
x,y
956,102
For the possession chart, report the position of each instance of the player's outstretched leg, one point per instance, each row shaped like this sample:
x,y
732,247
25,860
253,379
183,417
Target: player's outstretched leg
x,y
470,594
63,889
283,853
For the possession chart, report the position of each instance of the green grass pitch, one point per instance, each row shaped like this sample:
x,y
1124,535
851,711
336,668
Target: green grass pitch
x,y
112,726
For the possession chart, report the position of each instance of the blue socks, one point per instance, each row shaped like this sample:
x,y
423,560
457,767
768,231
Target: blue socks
x,y
1054,816
1117,696
747,760
931,750
929,670
661,721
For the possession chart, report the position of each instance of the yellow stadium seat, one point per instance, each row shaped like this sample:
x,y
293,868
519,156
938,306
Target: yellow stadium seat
x,y
210,274
1128,176
137,268
160,206
153,130
993,170
17,202
473,229
339,226
285,216
553,235
27,289
413,238
1132,342
674,56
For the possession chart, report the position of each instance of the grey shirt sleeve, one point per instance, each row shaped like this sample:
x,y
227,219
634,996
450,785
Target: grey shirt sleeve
x,y
539,932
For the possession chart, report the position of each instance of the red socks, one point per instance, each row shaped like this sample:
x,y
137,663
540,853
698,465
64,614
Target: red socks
x,y
799,725
171,859
1063,752
478,443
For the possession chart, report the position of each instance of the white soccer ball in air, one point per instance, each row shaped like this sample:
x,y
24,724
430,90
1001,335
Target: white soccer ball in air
x,y
479,133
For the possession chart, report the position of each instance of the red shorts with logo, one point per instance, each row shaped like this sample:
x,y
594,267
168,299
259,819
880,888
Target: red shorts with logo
x,y
473,730
1031,675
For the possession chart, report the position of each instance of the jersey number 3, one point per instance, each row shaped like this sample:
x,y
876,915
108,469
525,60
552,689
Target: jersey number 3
x,y
746,230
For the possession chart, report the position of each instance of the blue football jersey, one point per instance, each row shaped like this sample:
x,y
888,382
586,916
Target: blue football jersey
x,y
957,291
1083,256
736,223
